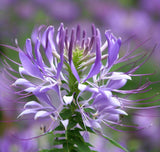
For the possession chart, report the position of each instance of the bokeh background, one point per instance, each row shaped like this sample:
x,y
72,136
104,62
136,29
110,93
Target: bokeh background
x,y
136,21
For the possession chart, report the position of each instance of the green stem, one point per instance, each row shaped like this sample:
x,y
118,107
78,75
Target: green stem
x,y
66,140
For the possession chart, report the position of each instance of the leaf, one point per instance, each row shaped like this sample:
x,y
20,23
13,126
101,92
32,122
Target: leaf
x,y
71,124
52,150
75,137
59,141
89,110
111,141
58,135
60,127
82,146
66,113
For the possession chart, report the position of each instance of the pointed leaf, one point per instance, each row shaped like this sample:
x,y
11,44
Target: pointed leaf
x,y
112,141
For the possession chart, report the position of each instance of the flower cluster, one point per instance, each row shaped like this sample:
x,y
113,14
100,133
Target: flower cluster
x,y
72,74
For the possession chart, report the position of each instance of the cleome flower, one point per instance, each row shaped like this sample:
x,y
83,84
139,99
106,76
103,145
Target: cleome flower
x,y
75,72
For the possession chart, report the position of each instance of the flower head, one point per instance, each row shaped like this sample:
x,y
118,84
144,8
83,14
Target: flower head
x,y
73,73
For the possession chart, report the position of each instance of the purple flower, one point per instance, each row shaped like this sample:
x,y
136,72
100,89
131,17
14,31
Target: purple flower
x,y
59,70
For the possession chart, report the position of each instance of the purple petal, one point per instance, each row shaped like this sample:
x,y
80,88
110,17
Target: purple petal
x,y
83,87
29,48
38,56
23,82
119,75
22,71
32,89
48,43
78,34
100,101
74,71
94,123
113,48
26,112
114,102
32,104
61,49
36,33
95,69
44,98
113,117
48,87
116,84
41,114
58,34
29,66
105,93
116,111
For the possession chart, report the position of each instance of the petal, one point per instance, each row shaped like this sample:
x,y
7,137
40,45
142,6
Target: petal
x,y
116,84
29,48
61,49
31,89
119,75
38,56
74,71
65,123
107,94
44,98
68,99
113,117
83,87
29,66
22,71
50,45
115,102
95,69
23,82
36,33
48,87
115,111
32,104
113,48
95,124
26,112
41,114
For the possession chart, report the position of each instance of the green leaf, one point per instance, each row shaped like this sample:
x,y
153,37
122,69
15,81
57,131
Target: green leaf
x,y
82,146
89,110
66,113
52,150
58,135
112,141
71,124
76,138
59,141
90,130
60,128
